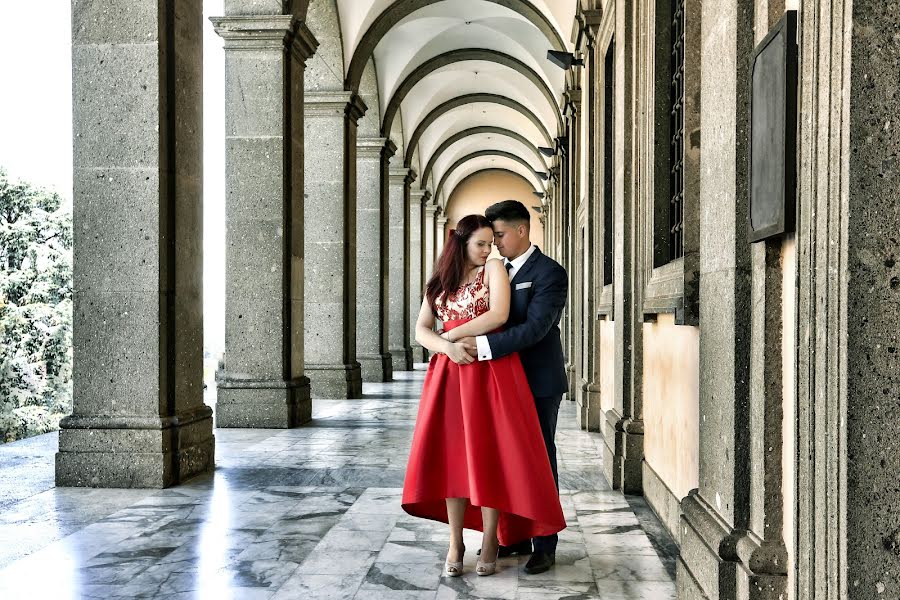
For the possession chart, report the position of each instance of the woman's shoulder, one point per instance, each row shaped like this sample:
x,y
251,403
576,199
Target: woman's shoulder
x,y
494,264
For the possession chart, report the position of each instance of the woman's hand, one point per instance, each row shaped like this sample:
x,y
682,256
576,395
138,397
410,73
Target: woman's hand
x,y
459,353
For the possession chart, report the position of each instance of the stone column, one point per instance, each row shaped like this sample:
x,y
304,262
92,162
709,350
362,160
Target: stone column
x,y
429,242
398,276
330,211
262,383
372,272
138,416
440,236
417,201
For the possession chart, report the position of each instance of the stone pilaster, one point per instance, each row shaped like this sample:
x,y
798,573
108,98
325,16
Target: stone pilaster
x,y
440,235
417,201
138,416
716,545
262,383
848,367
591,411
372,250
398,292
429,240
330,324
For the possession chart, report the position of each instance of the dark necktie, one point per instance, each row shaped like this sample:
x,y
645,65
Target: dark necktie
x,y
508,267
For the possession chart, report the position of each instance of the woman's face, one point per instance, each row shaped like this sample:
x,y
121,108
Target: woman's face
x,y
478,248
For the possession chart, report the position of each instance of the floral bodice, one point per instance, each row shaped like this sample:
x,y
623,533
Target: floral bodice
x,y
469,301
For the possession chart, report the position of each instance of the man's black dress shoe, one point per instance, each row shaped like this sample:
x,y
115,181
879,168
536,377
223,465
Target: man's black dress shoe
x,y
539,562
522,548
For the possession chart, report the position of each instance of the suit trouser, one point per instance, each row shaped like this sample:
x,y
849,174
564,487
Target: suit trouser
x,y
548,411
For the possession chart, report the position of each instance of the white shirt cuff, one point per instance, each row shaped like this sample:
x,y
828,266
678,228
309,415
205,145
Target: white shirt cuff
x,y
484,349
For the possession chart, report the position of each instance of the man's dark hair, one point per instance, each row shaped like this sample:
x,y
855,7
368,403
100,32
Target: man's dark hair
x,y
511,211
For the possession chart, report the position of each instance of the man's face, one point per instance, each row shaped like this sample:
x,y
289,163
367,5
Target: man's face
x,y
511,239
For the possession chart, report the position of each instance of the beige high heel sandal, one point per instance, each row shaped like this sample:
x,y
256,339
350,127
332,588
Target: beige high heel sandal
x,y
455,569
483,569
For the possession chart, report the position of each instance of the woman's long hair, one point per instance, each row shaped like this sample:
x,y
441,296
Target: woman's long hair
x,y
450,270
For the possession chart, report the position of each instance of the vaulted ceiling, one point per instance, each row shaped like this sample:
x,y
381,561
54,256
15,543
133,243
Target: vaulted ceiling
x,y
468,80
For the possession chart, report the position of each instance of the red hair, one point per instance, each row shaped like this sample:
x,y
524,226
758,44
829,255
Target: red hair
x,y
450,270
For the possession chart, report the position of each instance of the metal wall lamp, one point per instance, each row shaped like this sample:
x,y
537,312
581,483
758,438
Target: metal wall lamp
x,y
564,60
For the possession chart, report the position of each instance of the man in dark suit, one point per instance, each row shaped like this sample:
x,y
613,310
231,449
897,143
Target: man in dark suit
x,y
538,294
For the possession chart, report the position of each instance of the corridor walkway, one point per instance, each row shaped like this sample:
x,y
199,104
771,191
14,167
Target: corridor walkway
x,y
308,513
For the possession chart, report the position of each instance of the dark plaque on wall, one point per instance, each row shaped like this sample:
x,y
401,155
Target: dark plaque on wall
x,y
773,132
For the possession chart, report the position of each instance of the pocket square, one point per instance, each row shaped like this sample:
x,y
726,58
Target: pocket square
x,y
523,285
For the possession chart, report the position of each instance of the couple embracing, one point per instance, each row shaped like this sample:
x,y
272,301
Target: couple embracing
x,y
483,455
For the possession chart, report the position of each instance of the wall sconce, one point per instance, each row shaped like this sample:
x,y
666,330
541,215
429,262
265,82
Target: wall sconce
x,y
564,60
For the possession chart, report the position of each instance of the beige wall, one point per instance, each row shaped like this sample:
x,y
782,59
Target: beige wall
x,y
475,193
671,403
607,366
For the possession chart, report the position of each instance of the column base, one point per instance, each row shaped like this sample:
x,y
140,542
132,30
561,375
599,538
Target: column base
x,y
590,416
338,382
376,368
263,404
135,452
420,354
613,438
633,458
710,553
402,359
573,384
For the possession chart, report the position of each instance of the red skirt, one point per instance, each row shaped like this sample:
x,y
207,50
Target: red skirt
x,y
477,436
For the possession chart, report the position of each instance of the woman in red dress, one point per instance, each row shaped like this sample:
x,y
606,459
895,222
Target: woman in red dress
x,y
478,459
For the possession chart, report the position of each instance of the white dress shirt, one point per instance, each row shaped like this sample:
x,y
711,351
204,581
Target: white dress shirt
x,y
484,349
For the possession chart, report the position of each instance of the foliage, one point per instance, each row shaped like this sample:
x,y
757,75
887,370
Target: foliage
x,y
35,310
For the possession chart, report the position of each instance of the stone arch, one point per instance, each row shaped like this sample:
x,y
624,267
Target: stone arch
x,y
474,155
472,131
472,99
399,10
463,55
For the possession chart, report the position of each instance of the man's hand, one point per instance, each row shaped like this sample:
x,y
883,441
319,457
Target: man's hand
x,y
459,353
471,346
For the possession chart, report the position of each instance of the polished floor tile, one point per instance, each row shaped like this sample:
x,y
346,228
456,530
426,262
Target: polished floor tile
x,y
311,513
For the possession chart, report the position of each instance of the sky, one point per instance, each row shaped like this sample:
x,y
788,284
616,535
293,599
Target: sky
x,y
36,124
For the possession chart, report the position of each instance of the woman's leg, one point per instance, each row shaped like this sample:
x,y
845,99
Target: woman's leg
x,y
489,543
456,509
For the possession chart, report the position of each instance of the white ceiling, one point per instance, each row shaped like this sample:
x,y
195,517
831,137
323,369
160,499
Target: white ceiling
x,y
449,25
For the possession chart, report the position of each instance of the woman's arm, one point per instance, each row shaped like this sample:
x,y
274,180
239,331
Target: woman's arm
x,y
498,284
426,336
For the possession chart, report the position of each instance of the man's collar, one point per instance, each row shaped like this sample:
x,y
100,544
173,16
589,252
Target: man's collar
x,y
522,259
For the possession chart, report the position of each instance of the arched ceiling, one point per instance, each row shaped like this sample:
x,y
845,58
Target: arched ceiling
x,y
481,159
449,66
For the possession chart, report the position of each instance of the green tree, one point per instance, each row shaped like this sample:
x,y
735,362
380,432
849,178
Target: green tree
x,y
35,310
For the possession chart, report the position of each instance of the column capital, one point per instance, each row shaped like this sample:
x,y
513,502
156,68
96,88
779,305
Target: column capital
x,y
304,43
411,176
419,195
592,18
398,174
370,147
319,104
388,149
252,32
431,210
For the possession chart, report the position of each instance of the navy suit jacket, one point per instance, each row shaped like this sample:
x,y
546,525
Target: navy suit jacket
x,y
532,328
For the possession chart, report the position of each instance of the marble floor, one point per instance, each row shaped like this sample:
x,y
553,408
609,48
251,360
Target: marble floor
x,y
309,513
